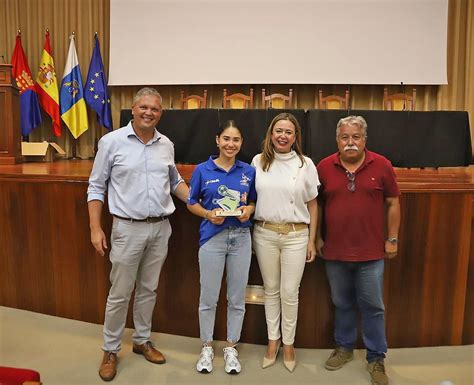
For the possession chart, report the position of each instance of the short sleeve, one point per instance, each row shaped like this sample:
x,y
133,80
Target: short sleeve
x,y
252,191
311,180
391,188
100,172
195,187
256,161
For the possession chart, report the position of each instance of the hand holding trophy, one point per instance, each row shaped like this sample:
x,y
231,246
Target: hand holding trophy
x,y
228,203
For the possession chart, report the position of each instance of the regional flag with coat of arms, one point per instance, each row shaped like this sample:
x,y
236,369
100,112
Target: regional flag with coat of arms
x,y
47,86
30,113
73,107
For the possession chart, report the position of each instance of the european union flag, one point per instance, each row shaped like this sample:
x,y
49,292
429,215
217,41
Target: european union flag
x,y
95,89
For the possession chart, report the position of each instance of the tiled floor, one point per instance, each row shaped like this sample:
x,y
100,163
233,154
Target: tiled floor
x,y
67,352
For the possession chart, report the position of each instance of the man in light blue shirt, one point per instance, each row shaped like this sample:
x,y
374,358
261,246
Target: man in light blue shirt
x,y
135,167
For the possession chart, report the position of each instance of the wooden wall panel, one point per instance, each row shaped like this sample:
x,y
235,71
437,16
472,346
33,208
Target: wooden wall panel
x,y
178,291
427,280
468,332
50,256
49,265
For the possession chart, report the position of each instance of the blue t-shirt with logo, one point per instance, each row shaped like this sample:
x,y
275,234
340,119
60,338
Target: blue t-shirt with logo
x,y
213,187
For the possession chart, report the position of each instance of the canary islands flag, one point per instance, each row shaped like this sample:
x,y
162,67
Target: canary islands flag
x,y
47,86
95,90
30,114
73,107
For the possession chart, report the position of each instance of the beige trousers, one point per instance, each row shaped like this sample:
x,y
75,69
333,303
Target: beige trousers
x,y
281,259
138,252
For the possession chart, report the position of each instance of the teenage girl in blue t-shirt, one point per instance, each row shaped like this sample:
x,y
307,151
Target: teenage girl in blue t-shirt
x,y
222,191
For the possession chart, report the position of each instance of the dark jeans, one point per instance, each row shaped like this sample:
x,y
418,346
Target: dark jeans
x,y
359,285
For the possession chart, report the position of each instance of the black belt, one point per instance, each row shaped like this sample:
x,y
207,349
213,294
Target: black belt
x,y
147,220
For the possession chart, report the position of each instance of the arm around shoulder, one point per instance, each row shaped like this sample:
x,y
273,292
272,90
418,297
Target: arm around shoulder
x,y
182,192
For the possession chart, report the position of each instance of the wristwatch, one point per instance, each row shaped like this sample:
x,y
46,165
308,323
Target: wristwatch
x,y
393,240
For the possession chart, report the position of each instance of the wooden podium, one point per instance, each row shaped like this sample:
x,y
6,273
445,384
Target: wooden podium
x,y
10,141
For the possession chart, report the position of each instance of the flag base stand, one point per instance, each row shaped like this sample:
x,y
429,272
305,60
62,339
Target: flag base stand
x,y
74,151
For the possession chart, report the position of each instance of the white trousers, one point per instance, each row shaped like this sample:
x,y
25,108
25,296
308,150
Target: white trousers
x,y
138,251
281,259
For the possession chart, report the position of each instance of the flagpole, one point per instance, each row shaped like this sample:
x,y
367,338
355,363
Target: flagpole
x,y
74,140
24,138
50,133
98,132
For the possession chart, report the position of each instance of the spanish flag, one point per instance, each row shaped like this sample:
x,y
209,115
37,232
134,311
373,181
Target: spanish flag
x,y
47,86
73,107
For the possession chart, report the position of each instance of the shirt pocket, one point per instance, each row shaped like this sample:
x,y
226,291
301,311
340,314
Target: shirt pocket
x,y
375,183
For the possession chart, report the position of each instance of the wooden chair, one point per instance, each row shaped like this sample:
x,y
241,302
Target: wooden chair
x,y
277,100
399,101
237,100
193,102
333,102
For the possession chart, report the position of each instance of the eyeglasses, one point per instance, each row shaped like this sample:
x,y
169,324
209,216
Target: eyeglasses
x,y
351,186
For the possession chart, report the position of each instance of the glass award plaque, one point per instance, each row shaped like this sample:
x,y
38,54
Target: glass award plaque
x,y
229,202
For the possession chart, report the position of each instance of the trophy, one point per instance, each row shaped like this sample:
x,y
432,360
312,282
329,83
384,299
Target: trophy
x,y
228,203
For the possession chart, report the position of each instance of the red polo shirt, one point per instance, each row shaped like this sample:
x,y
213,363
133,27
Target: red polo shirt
x,y
355,221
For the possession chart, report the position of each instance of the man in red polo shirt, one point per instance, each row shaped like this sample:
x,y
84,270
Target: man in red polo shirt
x,y
359,198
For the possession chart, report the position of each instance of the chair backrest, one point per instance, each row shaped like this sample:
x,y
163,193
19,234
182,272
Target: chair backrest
x,y
237,100
277,100
192,102
399,101
333,102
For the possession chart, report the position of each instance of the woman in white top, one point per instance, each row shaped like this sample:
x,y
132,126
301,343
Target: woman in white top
x,y
285,230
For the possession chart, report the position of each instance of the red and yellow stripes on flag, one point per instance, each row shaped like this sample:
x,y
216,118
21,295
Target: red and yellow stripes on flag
x,y
47,86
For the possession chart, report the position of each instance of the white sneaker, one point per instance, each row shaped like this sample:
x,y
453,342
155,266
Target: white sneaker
x,y
204,364
232,364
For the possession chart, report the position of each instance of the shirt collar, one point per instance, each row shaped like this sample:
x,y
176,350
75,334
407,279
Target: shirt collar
x,y
131,132
369,158
210,165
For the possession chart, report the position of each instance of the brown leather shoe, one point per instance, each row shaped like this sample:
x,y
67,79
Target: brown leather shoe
x,y
108,367
150,353
377,372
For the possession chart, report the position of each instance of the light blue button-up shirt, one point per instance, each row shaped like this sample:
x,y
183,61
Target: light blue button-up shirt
x,y
139,176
